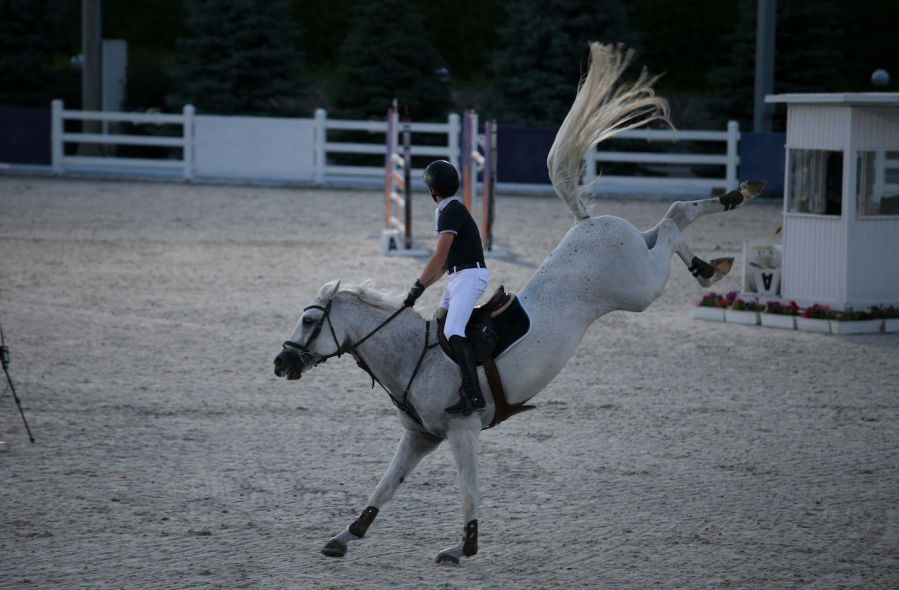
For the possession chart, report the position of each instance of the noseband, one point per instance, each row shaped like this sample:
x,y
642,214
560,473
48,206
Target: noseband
x,y
306,356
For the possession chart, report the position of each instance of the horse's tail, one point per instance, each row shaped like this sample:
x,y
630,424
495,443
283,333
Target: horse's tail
x,y
601,109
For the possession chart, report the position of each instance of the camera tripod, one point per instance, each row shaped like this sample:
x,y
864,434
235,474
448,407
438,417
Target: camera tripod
x,y
4,360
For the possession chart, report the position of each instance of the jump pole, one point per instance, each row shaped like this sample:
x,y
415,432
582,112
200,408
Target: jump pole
x,y
471,159
487,210
398,190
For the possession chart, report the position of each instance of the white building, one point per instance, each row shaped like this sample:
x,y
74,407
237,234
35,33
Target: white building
x,y
841,199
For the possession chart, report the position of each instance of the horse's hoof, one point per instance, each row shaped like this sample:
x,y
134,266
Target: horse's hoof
x,y
722,266
446,557
718,267
334,548
753,187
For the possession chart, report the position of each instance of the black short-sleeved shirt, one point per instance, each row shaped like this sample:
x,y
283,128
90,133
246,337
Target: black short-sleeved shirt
x,y
466,248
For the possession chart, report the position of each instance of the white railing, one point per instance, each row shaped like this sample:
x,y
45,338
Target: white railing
x,y
450,150
320,172
297,150
62,162
730,160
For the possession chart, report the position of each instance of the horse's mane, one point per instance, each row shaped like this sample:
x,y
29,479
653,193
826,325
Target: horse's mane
x,y
368,292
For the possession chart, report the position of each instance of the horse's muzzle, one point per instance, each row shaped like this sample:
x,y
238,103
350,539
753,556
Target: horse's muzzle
x,y
286,365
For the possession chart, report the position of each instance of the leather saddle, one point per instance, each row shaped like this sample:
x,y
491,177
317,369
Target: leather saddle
x,y
480,331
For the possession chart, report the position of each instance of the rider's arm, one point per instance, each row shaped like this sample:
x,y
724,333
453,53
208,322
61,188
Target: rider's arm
x,y
437,264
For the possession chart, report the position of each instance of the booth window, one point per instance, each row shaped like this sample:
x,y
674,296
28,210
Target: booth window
x,y
815,182
877,183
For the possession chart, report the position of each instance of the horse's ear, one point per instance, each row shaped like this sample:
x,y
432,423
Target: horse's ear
x,y
329,290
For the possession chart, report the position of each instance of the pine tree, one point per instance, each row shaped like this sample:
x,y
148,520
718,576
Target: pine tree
x,y
806,58
544,54
240,59
32,32
386,55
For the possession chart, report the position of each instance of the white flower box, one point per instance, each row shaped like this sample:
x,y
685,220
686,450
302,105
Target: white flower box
x,y
813,325
862,327
741,316
891,325
712,314
784,322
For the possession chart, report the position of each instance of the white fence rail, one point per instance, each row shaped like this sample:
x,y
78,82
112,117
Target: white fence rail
x,y
62,162
298,150
729,160
247,148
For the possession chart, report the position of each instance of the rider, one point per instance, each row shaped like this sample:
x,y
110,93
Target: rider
x,y
459,253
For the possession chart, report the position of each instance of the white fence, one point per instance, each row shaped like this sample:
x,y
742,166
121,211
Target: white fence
x,y
242,148
730,160
62,163
297,151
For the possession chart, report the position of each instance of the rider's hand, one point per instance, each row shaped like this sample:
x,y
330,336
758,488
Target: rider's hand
x,y
414,293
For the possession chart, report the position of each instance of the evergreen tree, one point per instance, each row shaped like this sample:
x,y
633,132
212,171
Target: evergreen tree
x,y
544,54
240,59
32,33
806,56
386,55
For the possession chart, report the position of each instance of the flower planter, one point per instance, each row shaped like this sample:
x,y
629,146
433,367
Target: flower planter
x,y
891,325
813,325
862,327
741,316
712,314
772,320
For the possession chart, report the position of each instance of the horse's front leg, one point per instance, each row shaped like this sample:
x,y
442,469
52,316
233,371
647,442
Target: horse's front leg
x,y
464,442
412,449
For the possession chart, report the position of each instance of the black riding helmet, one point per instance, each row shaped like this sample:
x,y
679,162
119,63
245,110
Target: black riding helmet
x,y
441,176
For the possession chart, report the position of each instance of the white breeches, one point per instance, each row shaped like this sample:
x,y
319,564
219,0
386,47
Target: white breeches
x,y
462,293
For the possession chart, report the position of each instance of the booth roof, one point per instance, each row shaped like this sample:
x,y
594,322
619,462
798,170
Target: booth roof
x,y
847,98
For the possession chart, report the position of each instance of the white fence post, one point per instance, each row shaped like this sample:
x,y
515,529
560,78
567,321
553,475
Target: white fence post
x,y
733,156
56,146
319,141
188,134
590,166
455,128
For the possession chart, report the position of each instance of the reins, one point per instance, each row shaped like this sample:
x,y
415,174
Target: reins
x,y
307,357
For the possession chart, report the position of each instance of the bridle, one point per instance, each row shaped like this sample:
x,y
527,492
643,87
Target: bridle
x,y
307,357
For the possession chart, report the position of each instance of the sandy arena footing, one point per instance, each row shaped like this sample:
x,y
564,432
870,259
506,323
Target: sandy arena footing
x,y
143,319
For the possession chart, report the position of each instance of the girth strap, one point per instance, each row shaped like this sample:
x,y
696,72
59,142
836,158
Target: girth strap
x,y
503,410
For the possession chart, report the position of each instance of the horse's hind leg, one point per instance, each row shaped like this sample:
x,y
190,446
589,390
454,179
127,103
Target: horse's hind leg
x,y
668,239
683,213
465,450
412,449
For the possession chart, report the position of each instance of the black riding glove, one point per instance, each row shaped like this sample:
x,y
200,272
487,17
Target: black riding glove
x,y
414,293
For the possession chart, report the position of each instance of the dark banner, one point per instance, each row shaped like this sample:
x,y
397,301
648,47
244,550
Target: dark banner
x,y
522,153
24,136
762,158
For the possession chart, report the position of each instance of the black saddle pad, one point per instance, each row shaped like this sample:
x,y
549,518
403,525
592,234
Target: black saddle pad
x,y
510,326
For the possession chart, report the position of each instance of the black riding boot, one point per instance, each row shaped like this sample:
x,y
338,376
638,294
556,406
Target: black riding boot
x,y
472,400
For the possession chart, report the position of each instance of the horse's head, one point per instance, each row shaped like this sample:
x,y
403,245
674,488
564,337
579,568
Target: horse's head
x,y
313,340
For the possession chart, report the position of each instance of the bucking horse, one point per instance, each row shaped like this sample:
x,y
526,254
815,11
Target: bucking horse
x,y
603,264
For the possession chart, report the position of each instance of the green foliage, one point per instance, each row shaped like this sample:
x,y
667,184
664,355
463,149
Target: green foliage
x,y
544,53
869,43
240,59
387,55
683,40
465,35
32,33
807,56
